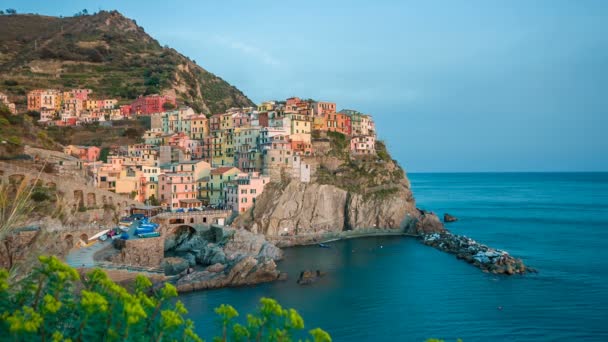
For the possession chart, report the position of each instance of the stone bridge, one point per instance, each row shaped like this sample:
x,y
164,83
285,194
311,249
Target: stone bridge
x,y
75,190
170,221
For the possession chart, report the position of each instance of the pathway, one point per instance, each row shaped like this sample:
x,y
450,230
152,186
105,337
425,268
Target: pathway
x,y
83,257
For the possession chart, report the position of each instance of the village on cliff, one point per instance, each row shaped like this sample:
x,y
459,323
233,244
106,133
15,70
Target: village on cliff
x,y
190,161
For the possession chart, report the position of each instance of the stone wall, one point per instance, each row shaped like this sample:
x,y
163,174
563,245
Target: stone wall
x,y
140,252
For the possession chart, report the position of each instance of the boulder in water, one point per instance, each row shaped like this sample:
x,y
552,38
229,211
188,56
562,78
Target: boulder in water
x,y
309,277
449,218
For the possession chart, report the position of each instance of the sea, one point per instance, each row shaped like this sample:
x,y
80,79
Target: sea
x,y
397,289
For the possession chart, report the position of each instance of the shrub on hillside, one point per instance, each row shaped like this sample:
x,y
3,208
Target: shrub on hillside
x,y
56,303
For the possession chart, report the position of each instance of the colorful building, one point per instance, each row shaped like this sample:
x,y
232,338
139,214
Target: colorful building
x,y
218,179
147,105
243,190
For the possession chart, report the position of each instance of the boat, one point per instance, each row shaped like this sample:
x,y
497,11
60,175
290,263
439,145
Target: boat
x,y
322,245
148,235
143,230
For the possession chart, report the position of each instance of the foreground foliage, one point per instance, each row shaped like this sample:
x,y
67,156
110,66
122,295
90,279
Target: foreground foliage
x,y
56,303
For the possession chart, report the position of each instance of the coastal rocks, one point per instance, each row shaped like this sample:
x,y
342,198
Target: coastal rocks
x,y
233,257
244,242
427,223
215,268
449,218
174,266
240,272
308,277
486,258
210,254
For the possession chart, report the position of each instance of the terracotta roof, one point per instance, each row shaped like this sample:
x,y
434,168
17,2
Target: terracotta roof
x,y
221,170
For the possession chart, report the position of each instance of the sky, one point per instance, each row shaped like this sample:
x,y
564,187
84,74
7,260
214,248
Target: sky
x,y
454,86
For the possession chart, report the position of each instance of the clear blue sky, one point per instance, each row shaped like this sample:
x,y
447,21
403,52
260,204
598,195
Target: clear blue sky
x,y
453,85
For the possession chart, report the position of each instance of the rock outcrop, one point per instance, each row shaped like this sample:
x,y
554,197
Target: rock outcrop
x,y
244,270
449,218
174,266
308,277
222,256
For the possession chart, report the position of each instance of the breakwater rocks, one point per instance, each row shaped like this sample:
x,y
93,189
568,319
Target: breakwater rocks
x,y
486,258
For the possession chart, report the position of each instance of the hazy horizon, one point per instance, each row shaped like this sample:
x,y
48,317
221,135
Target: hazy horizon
x,y
482,86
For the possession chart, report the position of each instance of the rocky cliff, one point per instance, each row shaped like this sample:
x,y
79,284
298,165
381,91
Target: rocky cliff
x,y
346,194
219,256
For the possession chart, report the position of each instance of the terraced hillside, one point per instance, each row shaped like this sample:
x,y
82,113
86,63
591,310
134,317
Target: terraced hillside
x,y
108,53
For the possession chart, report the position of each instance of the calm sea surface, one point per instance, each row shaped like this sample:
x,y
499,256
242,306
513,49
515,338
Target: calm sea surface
x,y
396,289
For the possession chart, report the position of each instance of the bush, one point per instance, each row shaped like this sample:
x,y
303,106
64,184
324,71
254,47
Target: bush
x,y
39,195
56,303
10,83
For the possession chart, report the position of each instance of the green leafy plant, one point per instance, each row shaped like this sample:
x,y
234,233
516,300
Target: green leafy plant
x,y
56,303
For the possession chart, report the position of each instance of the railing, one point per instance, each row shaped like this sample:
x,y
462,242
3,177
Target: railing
x,y
194,213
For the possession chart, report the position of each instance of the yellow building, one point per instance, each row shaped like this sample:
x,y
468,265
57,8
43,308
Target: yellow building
x,y
91,104
300,124
199,127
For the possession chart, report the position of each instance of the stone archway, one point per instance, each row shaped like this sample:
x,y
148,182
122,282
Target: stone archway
x,y
84,238
176,221
192,220
91,200
104,199
184,229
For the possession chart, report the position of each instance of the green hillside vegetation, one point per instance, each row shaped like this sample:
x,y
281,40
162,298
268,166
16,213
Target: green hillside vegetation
x,y
377,176
19,130
107,53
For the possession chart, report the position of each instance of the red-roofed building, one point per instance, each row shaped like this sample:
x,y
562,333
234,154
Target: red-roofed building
x,y
147,105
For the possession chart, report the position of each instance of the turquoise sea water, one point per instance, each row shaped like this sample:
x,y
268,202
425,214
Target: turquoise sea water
x,y
396,289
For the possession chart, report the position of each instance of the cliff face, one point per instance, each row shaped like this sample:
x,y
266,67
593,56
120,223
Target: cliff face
x,y
301,209
346,194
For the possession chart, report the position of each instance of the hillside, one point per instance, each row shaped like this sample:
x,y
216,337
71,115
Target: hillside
x,y
108,53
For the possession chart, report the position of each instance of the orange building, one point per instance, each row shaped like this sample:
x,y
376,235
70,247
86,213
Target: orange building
x,y
338,122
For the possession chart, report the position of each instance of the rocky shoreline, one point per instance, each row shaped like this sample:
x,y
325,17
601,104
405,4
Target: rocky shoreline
x,y
220,257
479,255
241,258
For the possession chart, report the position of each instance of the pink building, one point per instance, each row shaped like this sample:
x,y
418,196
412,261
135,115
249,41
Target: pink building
x,y
178,190
242,192
240,119
322,108
90,153
363,145
184,142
